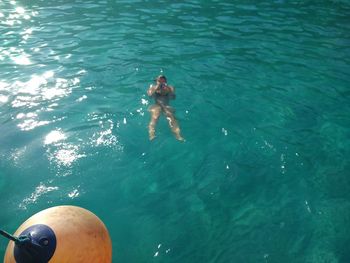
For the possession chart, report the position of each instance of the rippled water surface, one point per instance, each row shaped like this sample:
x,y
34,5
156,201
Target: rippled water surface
x,y
263,100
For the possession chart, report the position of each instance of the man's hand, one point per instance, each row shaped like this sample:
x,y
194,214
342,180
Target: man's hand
x,y
151,90
158,89
162,89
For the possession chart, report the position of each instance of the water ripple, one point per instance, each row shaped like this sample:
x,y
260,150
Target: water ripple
x,y
262,96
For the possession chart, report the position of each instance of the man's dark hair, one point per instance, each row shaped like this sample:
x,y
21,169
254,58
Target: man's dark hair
x,y
161,77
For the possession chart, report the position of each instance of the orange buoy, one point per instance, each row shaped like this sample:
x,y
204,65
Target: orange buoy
x,y
61,234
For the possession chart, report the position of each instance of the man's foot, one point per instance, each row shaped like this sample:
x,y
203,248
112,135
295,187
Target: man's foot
x,y
151,136
180,138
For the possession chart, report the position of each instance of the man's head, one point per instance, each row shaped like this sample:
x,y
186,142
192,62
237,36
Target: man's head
x,y
161,79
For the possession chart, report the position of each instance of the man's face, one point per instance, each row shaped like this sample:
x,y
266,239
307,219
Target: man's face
x,y
161,81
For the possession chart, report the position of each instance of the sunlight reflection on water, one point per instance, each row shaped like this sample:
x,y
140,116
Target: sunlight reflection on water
x,y
54,136
61,153
40,190
35,93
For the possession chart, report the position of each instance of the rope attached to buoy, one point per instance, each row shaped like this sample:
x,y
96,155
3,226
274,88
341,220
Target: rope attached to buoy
x,y
21,240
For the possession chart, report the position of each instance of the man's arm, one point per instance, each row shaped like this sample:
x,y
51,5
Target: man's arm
x,y
172,92
151,90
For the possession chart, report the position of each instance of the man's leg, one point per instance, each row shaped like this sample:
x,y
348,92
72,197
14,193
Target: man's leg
x,y
174,126
155,111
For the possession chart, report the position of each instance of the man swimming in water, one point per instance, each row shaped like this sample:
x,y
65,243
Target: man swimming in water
x,y
162,93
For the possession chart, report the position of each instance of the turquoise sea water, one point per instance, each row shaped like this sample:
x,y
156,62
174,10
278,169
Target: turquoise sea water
x,y
263,100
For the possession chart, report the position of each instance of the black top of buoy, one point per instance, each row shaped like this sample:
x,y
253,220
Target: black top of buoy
x,y
36,244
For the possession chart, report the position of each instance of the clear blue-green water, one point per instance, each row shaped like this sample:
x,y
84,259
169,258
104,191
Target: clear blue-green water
x,y
263,100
